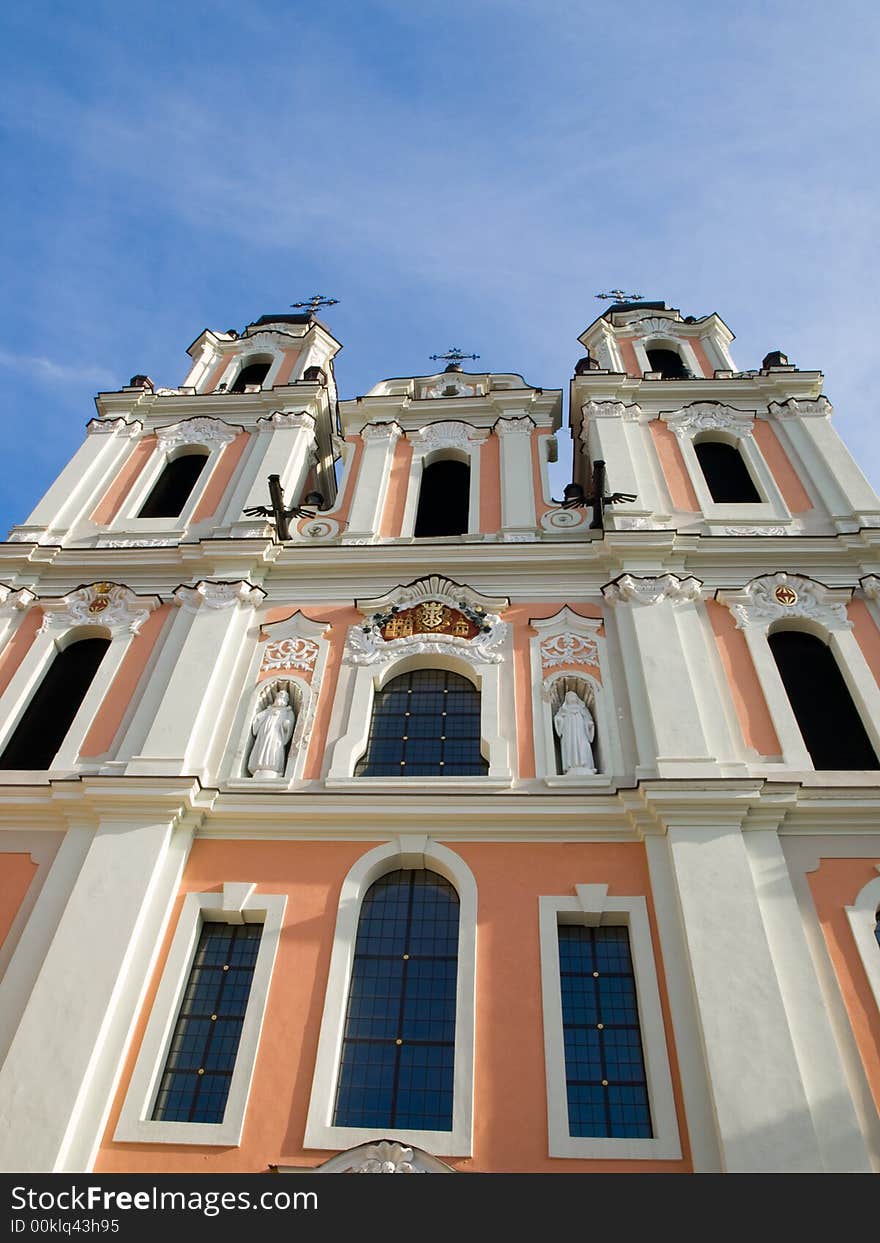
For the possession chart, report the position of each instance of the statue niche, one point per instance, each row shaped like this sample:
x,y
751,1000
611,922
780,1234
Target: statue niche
x,y
272,730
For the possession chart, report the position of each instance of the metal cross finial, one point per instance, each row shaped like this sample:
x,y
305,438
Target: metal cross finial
x,y
617,295
316,300
452,355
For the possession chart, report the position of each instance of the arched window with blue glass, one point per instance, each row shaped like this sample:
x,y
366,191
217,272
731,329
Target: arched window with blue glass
x,y
398,1049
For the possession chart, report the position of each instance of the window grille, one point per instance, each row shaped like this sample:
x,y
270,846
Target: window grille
x,y
604,1066
425,724
195,1082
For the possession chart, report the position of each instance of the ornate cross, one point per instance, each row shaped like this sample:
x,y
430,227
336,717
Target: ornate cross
x,y
316,300
452,355
617,295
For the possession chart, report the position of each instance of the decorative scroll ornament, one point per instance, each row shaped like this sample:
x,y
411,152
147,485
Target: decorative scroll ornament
x,y
791,408
110,605
449,385
12,600
775,597
107,427
711,416
218,595
137,543
630,590
202,430
521,426
563,519
870,585
290,654
655,326
449,434
568,649
387,1158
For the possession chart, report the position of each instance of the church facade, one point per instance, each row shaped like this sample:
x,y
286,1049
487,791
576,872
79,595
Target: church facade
x,y
407,819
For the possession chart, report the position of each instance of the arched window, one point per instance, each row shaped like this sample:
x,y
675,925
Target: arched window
x,y
832,730
668,362
726,474
172,489
56,701
398,1049
444,498
877,926
250,377
425,724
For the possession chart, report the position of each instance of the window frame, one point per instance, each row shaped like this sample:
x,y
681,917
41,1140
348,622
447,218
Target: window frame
x,y
408,853
863,916
237,903
593,907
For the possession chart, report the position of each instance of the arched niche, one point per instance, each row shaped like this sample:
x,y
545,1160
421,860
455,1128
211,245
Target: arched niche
x,y
588,690
261,696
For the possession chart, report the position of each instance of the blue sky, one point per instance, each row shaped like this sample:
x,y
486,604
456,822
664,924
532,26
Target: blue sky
x,y
455,173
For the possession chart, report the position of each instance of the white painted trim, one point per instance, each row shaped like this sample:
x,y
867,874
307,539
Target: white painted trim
x,y
403,852
862,916
592,906
236,904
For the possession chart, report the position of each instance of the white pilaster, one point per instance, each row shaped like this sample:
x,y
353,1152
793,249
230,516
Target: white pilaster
x,y
371,485
207,641
604,435
760,1102
517,475
13,606
57,1079
806,427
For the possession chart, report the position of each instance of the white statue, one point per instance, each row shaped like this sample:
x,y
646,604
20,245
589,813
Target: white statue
x,y
272,730
576,729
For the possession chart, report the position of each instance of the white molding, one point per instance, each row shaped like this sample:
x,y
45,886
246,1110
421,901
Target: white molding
x,y
410,853
235,905
862,916
592,906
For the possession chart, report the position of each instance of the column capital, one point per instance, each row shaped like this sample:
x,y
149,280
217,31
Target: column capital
x,y
631,590
212,594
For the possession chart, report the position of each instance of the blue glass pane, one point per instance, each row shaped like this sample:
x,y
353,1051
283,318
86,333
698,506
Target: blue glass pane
x,y
604,1065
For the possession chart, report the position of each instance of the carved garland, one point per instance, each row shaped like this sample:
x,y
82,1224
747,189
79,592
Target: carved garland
x,y
710,416
568,649
198,431
285,654
105,604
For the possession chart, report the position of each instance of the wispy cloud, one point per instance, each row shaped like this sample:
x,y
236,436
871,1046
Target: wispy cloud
x,y
48,371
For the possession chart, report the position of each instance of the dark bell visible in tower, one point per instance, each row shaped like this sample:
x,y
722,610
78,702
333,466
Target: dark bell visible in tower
x,y
775,359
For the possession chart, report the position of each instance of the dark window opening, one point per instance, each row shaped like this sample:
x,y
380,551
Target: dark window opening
x,y
172,489
444,499
726,474
398,1051
831,727
56,701
254,373
425,724
669,363
195,1082
877,927
605,1077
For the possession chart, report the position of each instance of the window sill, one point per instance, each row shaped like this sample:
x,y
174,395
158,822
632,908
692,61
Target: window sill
x,y
434,785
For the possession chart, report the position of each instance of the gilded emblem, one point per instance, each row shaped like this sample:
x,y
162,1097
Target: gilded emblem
x,y
786,595
103,589
430,614
98,606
